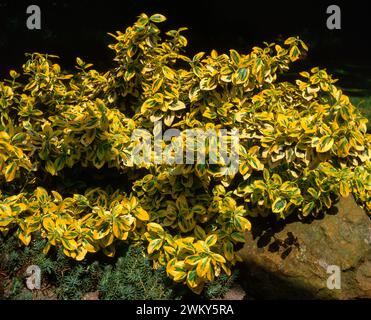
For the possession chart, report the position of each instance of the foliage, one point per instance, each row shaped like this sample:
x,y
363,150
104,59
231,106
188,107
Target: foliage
x,y
217,289
62,277
65,222
133,278
301,146
129,277
363,103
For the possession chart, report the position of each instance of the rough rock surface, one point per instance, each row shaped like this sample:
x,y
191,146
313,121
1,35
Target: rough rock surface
x,y
290,261
91,296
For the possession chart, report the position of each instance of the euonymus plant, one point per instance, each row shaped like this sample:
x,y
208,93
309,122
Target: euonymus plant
x,y
302,144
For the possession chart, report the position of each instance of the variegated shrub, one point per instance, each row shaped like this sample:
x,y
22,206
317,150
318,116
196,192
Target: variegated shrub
x,y
302,144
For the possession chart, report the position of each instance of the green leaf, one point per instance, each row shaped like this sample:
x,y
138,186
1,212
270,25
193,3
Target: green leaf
x,y
238,237
59,163
242,75
235,56
211,240
228,250
279,205
192,260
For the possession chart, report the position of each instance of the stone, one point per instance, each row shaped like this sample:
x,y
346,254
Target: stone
x,y
291,260
91,296
235,293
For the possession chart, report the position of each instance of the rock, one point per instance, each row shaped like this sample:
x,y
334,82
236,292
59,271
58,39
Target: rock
x,y
291,260
91,296
235,293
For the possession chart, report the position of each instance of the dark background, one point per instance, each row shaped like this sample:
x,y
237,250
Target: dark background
x,y
79,28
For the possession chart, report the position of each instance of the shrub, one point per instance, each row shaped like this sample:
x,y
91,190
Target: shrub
x,y
301,145
128,277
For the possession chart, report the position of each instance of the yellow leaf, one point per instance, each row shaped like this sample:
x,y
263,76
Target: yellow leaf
x,y
50,168
168,73
69,244
154,245
157,18
49,224
202,267
344,189
156,85
308,208
192,279
41,194
192,260
110,251
5,221
178,105
5,209
294,53
13,74
81,253
25,238
246,225
116,229
218,258
10,171
141,214
228,250
87,138
107,240
235,56
211,240
170,250
244,167
154,227
324,144
46,248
